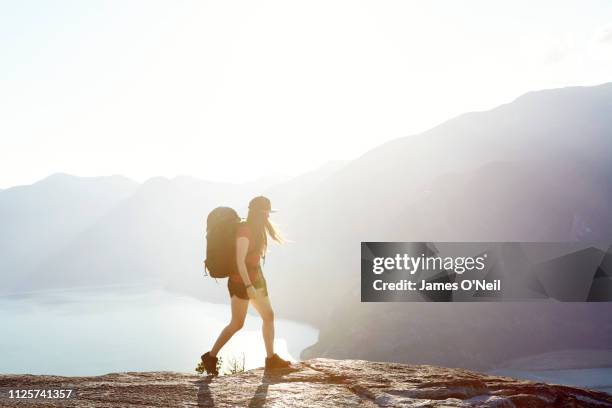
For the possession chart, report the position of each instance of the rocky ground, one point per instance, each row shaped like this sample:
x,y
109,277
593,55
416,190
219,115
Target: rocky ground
x,y
313,383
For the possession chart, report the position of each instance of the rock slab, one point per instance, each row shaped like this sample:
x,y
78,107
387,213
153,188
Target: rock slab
x,y
312,383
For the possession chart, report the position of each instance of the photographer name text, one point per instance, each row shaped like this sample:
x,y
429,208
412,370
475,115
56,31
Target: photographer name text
x,y
414,264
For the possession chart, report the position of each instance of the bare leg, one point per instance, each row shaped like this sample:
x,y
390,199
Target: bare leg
x,y
264,308
239,310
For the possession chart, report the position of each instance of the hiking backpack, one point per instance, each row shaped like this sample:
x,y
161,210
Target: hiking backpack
x,y
221,225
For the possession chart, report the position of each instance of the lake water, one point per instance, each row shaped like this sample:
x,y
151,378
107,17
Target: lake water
x,y
99,331
594,378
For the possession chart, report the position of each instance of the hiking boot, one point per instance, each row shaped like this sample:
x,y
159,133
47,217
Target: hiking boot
x,y
275,362
210,363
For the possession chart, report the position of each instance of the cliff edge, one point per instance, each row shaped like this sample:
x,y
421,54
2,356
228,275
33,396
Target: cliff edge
x,y
314,383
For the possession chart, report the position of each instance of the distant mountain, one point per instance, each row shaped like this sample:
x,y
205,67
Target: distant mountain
x,y
287,193
154,236
537,169
41,218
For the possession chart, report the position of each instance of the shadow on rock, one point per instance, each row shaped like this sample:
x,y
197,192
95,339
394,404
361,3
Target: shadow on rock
x,y
205,398
261,393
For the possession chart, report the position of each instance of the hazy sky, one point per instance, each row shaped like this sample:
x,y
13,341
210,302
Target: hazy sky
x,y
231,91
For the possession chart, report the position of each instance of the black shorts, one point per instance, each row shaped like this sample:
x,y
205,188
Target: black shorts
x,y
239,290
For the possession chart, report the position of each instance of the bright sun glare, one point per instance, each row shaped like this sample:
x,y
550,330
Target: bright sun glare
x,y
232,91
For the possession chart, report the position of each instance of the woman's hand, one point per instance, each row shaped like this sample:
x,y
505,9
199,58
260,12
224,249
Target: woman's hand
x,y
254,293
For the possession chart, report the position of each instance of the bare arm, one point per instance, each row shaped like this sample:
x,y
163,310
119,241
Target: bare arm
x,y
242,247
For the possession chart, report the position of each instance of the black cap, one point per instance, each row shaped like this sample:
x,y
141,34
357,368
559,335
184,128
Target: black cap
x,y
261,203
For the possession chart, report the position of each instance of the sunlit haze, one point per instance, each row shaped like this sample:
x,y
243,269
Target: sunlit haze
x,y
233,91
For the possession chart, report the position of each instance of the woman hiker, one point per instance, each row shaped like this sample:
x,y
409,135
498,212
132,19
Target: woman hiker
x,y
248,284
